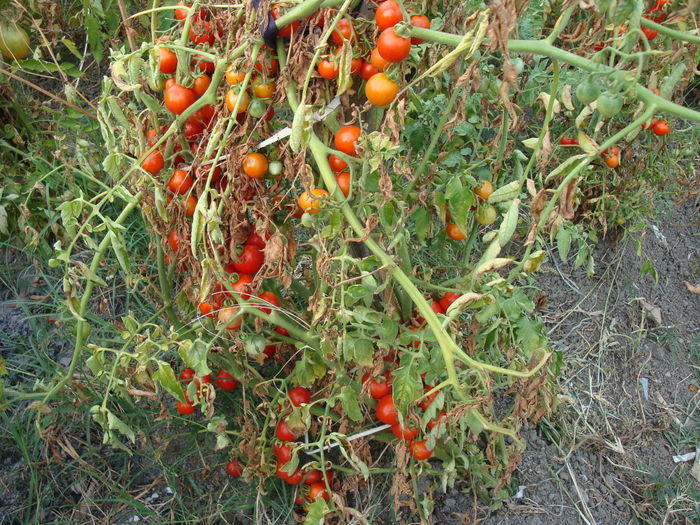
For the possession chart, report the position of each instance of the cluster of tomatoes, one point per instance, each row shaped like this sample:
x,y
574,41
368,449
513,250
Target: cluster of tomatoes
x,y
485,213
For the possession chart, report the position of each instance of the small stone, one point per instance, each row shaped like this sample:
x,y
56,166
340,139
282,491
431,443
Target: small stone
x,y
620,504
565,476
64,361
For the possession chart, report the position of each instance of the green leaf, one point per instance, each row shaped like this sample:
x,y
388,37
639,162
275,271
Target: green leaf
x,y
407,384
348,398
72,48
317,509
166,377
510,221
194,354
95,37
119,248
563,243
421,220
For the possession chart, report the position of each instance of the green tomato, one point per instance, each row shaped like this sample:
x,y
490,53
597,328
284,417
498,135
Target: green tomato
x,y
486,215
609,105
14,41
587,92
257,108
275,168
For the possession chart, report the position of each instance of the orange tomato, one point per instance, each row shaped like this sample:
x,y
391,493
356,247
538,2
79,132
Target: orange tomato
x,y
255,165
232,98
311,201
454,233
343,180
381,90
484,190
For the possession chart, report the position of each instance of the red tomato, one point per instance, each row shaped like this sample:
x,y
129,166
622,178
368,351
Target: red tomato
x,y
433,423
275,11
419,450
283,452
180,182
435,307
392,47
429,400
294,478
661,128
255,239
204,65
193,130
201,84
403,433
283,433
282,331
337,164
153,163
225,381
206,309
343,31
177,98
167,61
318,490
234,469
203,115
649,33
181,14
346,138
190,206
202,32
173,240
454,233
386,410
419,21
612,161
186,409
314,476
367,70
268,298
328,69
388,14
448,299
250,260
378,61
299,396
241,285
378,389
343,180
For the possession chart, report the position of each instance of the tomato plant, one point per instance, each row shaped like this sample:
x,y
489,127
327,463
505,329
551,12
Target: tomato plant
x,y
388,253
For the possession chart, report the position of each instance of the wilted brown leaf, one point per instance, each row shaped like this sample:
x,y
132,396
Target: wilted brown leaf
x,y
567,199
538,203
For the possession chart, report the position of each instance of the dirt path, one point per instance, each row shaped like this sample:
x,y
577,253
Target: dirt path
x,y
606,457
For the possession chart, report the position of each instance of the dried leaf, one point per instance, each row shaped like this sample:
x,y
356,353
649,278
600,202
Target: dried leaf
x,y
691,288
567,199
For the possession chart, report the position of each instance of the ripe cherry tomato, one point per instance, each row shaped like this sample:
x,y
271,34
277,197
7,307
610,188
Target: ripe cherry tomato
x,y
378,389
283,433
386,410
201,84
448,299
312,203
294,478
276,12
203,115
381,90
566,141
202,32
649,33
153,163
343,180
378,61
225,381
388,14
268,298
318,490
434,305
661,128
419,450
174,240
190,205
438,419
283,452
180,182
241,286
346,138
328,69
167,61
337,164
206,309
255,165
299,396
392,47
454,233
193,130
177,98
186,409
419,21
282,331
484,190
234,469
403,433
233,76
255,239
343,31
367,70
264,90
250,260
613,161
314,476
232,98
425,403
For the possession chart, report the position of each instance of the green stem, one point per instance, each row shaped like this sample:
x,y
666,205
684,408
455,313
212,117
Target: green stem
x,y
673,33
